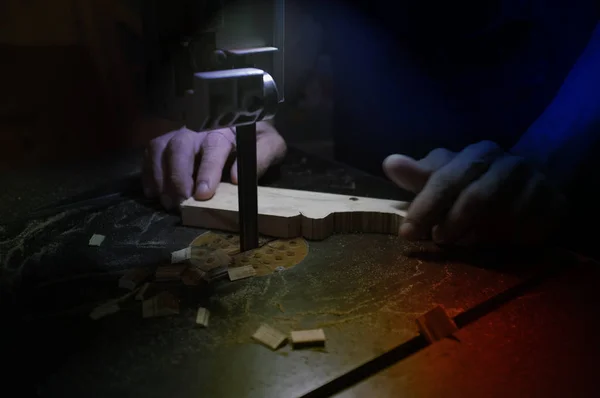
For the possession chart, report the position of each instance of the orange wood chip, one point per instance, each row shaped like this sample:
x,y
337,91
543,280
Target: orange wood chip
x,y
436,325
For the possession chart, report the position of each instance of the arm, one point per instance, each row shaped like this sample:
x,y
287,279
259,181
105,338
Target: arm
x,y
562,138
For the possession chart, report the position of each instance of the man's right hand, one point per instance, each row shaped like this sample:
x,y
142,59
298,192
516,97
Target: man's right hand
x,y
183,163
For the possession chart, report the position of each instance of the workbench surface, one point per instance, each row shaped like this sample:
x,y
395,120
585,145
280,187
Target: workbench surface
x,y
365,291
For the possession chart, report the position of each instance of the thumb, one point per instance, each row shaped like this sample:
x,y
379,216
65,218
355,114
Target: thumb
x,y
406,172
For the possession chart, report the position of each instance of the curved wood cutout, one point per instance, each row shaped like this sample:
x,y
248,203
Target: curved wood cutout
x,y
286,213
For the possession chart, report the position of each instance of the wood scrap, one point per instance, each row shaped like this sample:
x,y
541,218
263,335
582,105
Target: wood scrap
x,y
285,213
181,256
167,273
303,338
436,325
163,304
275,256
96,240
202,317
133,278
241,272
269,336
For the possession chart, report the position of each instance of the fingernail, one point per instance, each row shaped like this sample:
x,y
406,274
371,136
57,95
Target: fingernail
x,y
408,230
202,190
166,201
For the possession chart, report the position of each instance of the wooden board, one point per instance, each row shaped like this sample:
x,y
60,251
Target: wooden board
x,y
285,213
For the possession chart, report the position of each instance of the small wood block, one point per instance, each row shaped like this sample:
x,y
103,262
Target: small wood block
x,y
133,278
308,337
163,304
96,240
144,291
181,256
436,325
202,317
105,309
269,336
241,272
169,273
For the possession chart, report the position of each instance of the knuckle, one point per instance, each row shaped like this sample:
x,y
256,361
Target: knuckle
x,y
181,139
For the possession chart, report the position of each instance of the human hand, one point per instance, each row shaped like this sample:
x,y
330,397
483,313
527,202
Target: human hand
x,y
183,163
481,195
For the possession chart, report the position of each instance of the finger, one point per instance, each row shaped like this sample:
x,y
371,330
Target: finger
x,y
436,159
155,160
444,186
483,199
215,150
405,172
411,174
270,150
180,154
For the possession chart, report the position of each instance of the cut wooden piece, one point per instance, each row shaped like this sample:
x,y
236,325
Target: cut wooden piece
x,y
163,304
269,336
202,317
436,325
285,213
96,240
181,256
241,272
308,337
169,273
133,278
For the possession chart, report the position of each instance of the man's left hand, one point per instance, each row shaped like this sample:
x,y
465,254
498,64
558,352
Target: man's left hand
x,y
481,195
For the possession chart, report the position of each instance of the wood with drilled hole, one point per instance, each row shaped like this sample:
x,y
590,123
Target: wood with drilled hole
x,y
285,213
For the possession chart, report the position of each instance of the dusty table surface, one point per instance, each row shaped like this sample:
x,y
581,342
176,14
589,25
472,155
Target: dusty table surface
x,y
365,291
541,344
